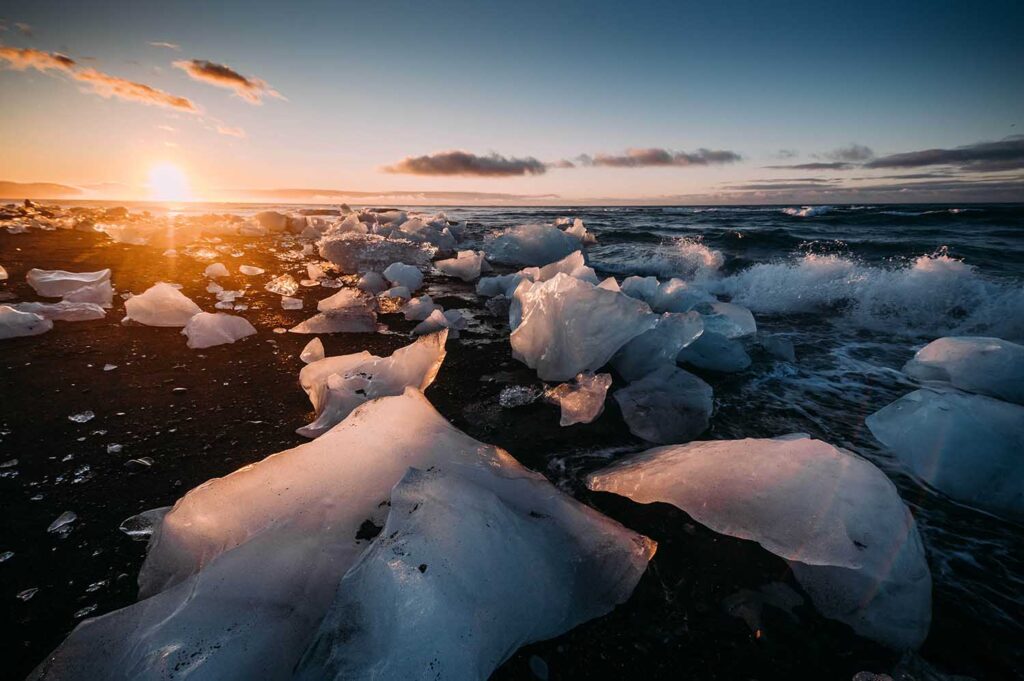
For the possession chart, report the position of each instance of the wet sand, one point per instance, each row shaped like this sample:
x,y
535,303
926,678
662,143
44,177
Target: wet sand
x,y
204,413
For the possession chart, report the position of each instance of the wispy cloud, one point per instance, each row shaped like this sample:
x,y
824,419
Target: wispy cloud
x,y
230,131
657,157
24,29
1007,154
468,164
252,90
167,46
95,81
854,152
837,165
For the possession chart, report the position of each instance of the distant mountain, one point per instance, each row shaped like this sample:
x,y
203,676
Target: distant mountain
x,y
37,190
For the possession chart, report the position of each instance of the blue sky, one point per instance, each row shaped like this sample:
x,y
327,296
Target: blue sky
x,y
367,86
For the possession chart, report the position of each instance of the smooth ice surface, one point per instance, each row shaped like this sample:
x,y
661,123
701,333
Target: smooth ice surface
x,y
207,329
251,270
570,326
372,282
58,283
243,569
342,320
3,273
346,299
667,405
531,245
400,274
727,319
337,385
161,305
216,270
101,293
418,309
466,265
467,569
658,346
674,295
63,311
987,366
838,520
970,447
288,303
715,352
313,352
14,323
582,399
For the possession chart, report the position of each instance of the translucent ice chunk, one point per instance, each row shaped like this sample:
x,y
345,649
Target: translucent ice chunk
x,y
313,352
63,311
658,346
291,303
838,520
14,323
207,329
987,366
161,305
967,446
531,245
216,270
570,326
466,265
284,285
58,283
582,399
251,270
418,309
400,274
715,352
667,405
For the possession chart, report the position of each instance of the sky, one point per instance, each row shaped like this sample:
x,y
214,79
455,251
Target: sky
x,y
525,102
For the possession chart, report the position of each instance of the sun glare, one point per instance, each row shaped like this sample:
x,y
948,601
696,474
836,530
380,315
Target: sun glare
x,y
167,182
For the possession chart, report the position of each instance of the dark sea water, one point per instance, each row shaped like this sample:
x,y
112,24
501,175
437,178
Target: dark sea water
x,y
857,289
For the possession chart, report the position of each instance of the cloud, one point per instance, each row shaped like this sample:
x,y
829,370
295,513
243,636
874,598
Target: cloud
x,y
564,163
1007,154
656,157
22,58
106,85
466,163
230,131
24,29
250,89
838,165
854,152
97,82
167,46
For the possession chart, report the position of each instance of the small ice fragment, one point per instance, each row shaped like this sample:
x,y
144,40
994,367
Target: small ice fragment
x,y
315,271
372,282
140,527
140,464
114,449
27,594
436,321
109,367
207,329
214,287
82,417
518,396
251,271
313,352
3,273
63,311
666,406
400,292
84,611
288,303
63,520
418,309
582,399
216,270
284,285
466,265
715,352
6,556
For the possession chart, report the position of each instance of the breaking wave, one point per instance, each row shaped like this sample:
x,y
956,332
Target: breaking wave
x,y
931,295
807,211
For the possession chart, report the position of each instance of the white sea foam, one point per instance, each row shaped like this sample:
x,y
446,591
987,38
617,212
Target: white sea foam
x,y
687,258
807,211
932,295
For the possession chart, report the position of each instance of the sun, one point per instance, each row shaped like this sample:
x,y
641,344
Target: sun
x,y
167,182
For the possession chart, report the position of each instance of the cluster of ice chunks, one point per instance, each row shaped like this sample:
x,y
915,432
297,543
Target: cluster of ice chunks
x,y
573,265
569,326
244,576
161,305
834,517
578,230
337,385
206,329
15,323
531,245
967,446
667,405
466,265
580,400
674,295
353,252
